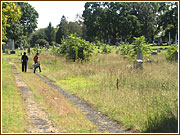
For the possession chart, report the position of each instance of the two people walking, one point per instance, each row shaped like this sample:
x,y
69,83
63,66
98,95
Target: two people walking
x,y
24,61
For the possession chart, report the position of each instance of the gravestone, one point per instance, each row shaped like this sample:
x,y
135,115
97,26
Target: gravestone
x,y
176,55
176,39
169,42
11,46
158,50
154,53
138,64
6,51
3,47
117,51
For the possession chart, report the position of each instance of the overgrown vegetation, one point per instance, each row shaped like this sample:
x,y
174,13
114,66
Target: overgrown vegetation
x,y
75,48
170,52
144,99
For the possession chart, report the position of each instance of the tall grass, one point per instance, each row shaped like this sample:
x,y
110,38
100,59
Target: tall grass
x,y
146,100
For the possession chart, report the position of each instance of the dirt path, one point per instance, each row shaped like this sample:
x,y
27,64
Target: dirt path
x,y
104,124
40,123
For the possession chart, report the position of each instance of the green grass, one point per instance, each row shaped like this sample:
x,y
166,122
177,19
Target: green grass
x,y
145,98
146,101
63,113
13,115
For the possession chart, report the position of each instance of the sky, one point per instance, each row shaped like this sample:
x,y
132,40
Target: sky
x,y
52,11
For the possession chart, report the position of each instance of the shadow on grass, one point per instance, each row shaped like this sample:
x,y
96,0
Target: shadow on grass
x,y
164,125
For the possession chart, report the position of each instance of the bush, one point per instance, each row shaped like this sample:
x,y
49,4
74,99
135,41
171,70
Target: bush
x,y
170,52
75,48
125,49
140,43
41,42
106,48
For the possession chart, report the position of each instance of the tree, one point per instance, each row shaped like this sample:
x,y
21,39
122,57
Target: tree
x,y
26,24
50,33
39,34
41,42
168,19
75,27
29,18
11,13
62,29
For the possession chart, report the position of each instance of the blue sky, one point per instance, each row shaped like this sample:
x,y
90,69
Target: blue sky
x,y
52,11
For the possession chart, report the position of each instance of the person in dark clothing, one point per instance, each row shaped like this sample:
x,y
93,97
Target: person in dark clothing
x,y
37,63
24,60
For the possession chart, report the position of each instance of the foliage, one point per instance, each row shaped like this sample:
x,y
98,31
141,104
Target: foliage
x,y
39,34
111,21
62,29
75,48
50,33
66,28
37,49
29,18
10,12
106,48
140,43
42,42
15,31
170,52
125,49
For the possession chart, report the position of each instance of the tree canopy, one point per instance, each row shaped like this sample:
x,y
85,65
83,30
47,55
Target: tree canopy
x,y
113,21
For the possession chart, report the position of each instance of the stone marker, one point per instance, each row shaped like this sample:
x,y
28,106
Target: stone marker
x,y
6,51
154,53
158,50
169,42
176,39
117,51
3,47
138,64
11,46
176,55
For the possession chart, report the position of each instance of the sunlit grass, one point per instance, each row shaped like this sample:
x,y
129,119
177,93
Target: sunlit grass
x,y
65,115
144,98
13,114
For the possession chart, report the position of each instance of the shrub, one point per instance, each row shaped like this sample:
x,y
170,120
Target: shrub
x,y
76,48
41,42
106,48
170,52
140,43
125,49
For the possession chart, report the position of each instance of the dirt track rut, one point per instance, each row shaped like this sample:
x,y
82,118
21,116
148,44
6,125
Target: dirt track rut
x,y
104,124
37,116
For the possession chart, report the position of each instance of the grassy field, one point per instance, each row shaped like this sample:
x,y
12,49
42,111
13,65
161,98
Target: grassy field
x,y
13,115
64,114
146,101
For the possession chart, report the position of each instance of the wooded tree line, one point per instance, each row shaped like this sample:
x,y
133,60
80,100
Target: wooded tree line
x,y
115,20
108,22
